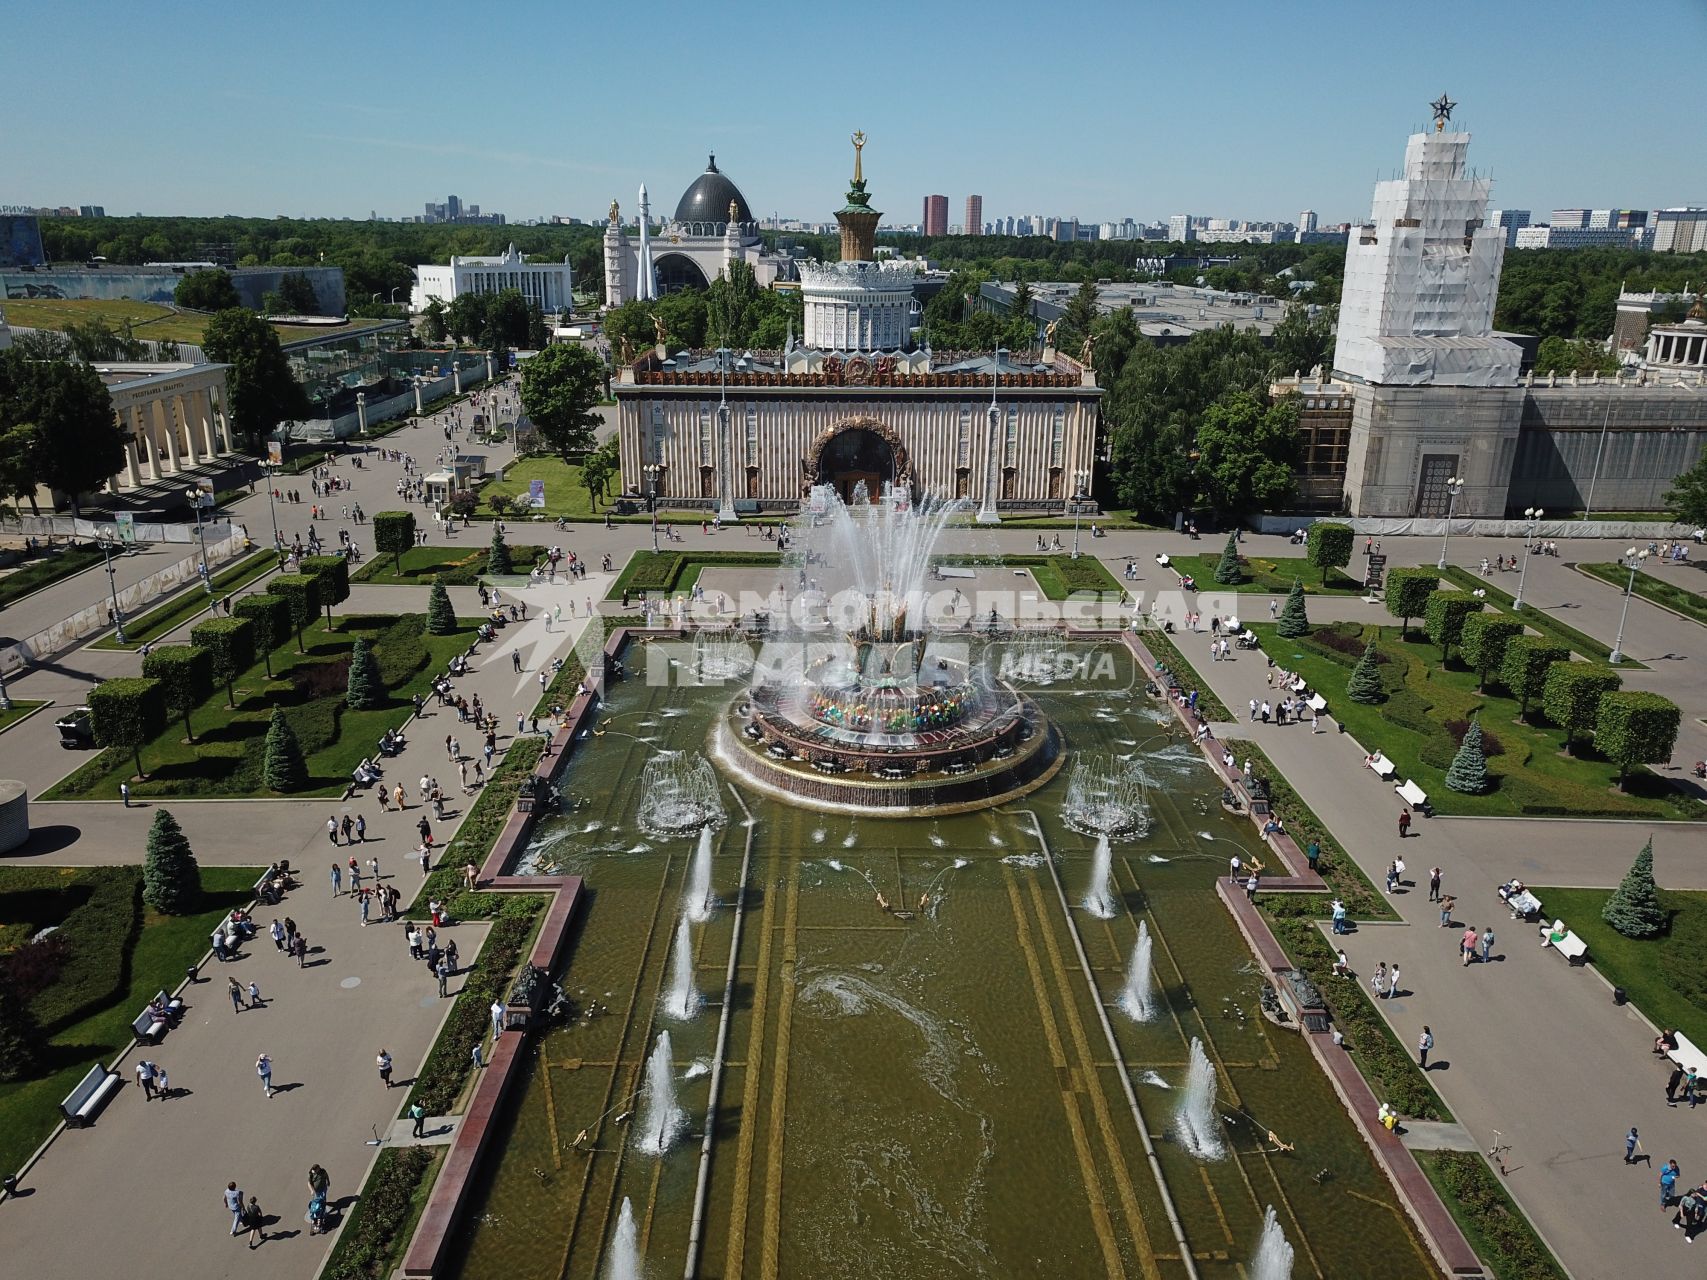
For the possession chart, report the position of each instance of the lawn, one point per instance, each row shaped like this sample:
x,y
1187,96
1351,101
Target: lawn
x,y
1666,977
20,708
225,758
1537,620
1274,576
1530,771
453,566
667,571
119,954
1679,599
153,321
46,571
189,603
1487,1215
564,494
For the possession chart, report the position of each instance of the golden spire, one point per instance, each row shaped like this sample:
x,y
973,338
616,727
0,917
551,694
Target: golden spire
x,y
858,144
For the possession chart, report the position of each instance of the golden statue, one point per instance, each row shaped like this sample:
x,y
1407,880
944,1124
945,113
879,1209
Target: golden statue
x,y
1049,331
734,212
859,144
627,349
615,213
658,329
1087,353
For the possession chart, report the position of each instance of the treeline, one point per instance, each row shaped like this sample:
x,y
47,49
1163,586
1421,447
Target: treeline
x,y
376,257
734,312
1573,293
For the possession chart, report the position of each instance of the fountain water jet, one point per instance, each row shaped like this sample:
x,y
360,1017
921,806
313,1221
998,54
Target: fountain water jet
x,y
1138,997
678,795
1199,1130
1273,1258
625,1261
1099,898
682,1000
661,1119
1105,797
697,902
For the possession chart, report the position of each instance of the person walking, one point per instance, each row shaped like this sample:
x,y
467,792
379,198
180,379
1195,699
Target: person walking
x,y
1393,981
234,989
1447,902
401,798
337,879
1233,865
162,1086
124,793
1487,943
264,1069
477,1056
418,1114
365,900
1378,980
319,1181
1425,1042
145,1078
347,826
256,1221
1404,823
384,1063
301,951
277,931
1467,944
255,1001
1313,853
1675,1079
1631,1141
233,1199
497,1012
443,971
1668,1184
1434,884
361,835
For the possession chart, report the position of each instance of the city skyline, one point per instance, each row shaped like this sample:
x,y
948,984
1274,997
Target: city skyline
x,y
1222,133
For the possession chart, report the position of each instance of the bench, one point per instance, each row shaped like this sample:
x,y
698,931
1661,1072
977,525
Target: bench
x,y
1413,795
1687,1055
1566,943
147,1028
1382,766
87,1098
1523,906
1316,702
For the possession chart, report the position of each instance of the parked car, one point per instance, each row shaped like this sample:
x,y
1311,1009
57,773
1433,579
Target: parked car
x,y
76,730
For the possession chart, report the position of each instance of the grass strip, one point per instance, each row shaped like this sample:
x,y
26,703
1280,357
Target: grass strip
x,y
46,571
385,1214
1690,604
190,602
453,566
20,708
1489,1218
1168,654
1536,620
1265,574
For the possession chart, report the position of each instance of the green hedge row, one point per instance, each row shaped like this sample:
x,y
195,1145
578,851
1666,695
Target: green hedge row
x,y
479,831
371,1236
1378,1053
1167,653
98,936
1503,1231
1536,620
446,1070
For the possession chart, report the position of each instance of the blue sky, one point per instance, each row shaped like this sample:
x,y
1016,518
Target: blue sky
x,y
1096,109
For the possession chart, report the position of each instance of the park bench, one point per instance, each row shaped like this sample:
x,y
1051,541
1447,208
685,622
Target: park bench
x,y
1567,944
1687,1055
147,1028
1316,702
1381,765
1413,795
87,1098
1523,906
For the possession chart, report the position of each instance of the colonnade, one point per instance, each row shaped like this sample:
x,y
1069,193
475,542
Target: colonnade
x,y
167,434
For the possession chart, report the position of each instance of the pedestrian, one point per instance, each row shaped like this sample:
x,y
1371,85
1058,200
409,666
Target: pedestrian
x,y
1668,1183
1487,943
319,1181
516,659
413,937
234,989
443,971
365,899
384,1064
478,1058
332,829
1675,1079
355,876
1392,876
124,793
1631,1142
1313,853
145,1078
1434,884
1467,944
301,951
384,799
162,1086
1233,868
1393,981
425,828
264,1069
450,956
256,1221
337,879
1273,608
1404,823
1251,887
1315,723
418,1114
400,798
255,1001
497,1012
373,868
1342,966
1690,1080
278,932
234,1202
1378,980
1425,1042
348,825
361,835
1446,904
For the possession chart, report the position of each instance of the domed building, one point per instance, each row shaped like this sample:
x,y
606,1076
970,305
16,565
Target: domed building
x,y
713,227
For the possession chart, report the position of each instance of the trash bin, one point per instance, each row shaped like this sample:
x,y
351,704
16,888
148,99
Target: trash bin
x,y
1619,995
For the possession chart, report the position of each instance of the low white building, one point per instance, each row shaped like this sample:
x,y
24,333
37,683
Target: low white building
x,y
546,283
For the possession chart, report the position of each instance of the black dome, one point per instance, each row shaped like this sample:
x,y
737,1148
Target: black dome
x,y
708,199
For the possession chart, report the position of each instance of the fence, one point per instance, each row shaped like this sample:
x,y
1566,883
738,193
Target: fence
x,y
85,622
146,531
1435,526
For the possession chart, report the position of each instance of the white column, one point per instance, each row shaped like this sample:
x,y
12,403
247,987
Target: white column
x,y
134,472
202,410
143,432
987,513
361,413
222,418
170,431
456,375
725,469
181,410
418,409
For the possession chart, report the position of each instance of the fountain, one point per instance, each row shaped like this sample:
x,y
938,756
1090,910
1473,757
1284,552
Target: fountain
x,y
1138,997
1199,1129
697,901
678,795
716,660
1105,797
885,716
1099,898
1273,1258
682,1000
661,1119
625,1260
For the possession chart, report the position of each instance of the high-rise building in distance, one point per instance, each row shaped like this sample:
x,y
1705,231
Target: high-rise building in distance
x,y
936,215
1307,220
1180,228
974,215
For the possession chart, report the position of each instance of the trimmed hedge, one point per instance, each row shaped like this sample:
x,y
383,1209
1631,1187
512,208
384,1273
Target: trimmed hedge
x,y
1380,1056
372,1235
1497,1228
1167,653
97,936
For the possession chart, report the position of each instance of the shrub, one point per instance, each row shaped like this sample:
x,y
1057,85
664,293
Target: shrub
x,y
441,618
230,647
1634,908
1328,546
269,615
1469,770
1571,695
331,576
127,712
1364,684
364,689
1350,643
283,767
1227,572
394,531
300,591
1518,1252
185,674
21,1036
1407,593
1483,639
98,935
171,881
371,1237
1491,744
1443,617
400,651
1294,620
1523,670
1633,728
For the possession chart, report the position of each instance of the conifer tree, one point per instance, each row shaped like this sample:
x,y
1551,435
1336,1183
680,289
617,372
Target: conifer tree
x,y
171,881
1294,621
441,618
498,558
366,689
1469,769
1364,685
1634,909
282,765
1228,573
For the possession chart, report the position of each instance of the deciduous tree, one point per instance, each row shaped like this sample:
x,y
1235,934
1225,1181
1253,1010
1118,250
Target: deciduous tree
x,y
561,389
1443,617
1328,546
269,615
264,393
331,581
1482,642
1633,728
394,531
1408,591
126,712
230,646
207,291
301,592
1523,669
1571,697
185,674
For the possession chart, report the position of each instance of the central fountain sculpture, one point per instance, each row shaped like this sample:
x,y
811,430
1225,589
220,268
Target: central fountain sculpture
x,y
863,701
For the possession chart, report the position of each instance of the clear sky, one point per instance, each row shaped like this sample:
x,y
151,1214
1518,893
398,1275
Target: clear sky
x,y
1095,108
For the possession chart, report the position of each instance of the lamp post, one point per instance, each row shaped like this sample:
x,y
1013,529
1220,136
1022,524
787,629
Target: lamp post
x,y
652,469
1080,479
106,544
1534,515
1454,487
195,497
1635,558
272,507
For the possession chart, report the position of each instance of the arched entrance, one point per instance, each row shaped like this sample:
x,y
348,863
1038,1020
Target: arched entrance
x,y
854,457
677,271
